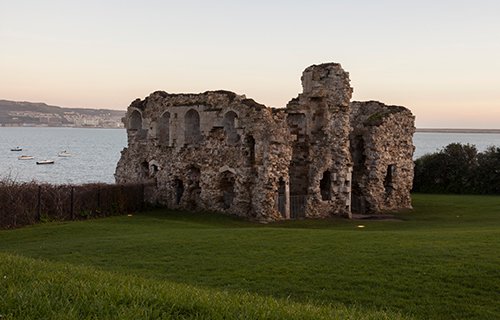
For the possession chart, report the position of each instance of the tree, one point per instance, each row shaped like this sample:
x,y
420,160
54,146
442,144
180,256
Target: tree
x,y
461,164
430,174
450,170
488,172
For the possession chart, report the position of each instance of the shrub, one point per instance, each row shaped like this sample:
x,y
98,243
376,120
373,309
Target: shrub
x,y
488,171
25,203
458,168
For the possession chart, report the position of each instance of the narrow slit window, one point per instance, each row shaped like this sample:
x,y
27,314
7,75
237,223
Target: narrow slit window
x,y
388,181
325,186
179,190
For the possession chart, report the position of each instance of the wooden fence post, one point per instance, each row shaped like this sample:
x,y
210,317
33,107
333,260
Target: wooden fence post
x,y
123,207
99,198
39,204
72,203
142,200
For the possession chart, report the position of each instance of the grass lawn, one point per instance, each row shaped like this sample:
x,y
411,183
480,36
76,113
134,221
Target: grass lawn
x,y
441,261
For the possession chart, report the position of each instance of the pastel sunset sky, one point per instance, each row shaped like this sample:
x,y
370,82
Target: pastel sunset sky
x,y
439,58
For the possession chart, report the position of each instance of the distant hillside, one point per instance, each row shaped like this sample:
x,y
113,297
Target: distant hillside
x,y
455,130
15,114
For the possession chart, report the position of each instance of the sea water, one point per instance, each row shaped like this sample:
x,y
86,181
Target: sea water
x,y
95,152
430,142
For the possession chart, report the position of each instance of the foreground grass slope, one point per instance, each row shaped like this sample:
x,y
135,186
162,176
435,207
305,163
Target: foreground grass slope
x,y
33,289
440,261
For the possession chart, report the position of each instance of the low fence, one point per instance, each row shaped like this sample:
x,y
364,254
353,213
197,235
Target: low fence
x,y
297,205
23,204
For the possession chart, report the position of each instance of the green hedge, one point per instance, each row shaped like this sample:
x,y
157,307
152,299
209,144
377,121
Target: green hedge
x,y
25,203
459,168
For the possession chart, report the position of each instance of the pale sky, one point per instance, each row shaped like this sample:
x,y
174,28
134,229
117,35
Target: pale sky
x,y
441,59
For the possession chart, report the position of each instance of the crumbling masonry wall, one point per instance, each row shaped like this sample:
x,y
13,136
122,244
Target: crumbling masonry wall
x,y
382,149
213,151
318,119
220,151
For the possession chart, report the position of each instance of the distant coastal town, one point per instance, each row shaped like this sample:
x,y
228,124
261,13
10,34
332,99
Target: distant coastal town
x,y
28,114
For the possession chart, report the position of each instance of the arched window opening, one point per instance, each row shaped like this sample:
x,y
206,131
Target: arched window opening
x,y
229,123
135,121
250,150
227,188
179,190
391,169
192,131
164,129
325,186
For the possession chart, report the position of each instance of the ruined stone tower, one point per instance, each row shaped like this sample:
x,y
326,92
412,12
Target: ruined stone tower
x,y
223,152
318,122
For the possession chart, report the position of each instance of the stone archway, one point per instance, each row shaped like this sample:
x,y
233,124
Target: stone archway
x,y
229,124
135,121
227,189
164,129
192,132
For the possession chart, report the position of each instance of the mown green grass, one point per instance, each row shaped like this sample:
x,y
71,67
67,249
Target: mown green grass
x,y
32,289
440,261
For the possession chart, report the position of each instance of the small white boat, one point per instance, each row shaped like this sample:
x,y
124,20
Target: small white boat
x,y
16,149
26,157
45,162
64,154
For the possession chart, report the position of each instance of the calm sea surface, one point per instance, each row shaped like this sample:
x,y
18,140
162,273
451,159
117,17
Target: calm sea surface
x,y
429,142
95,152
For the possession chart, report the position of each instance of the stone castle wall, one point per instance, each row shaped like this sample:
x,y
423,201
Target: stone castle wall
x,y
382,149
220,151
321,161
218,154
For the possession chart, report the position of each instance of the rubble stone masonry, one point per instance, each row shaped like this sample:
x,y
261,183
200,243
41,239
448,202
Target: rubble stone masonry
x,y
220,151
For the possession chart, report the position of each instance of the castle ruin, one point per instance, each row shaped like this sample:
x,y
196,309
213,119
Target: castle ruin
x,y
322,155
